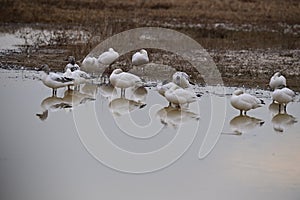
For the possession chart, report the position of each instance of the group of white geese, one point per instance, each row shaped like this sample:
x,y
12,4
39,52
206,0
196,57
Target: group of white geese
x,y
177,92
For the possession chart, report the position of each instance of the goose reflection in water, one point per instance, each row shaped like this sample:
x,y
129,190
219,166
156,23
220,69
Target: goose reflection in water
x,y
282,121
139,94
90,89
52,104
122,106
274,108
174,117
75,98
244,123
108,91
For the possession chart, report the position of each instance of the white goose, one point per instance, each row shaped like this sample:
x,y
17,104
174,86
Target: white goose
x,y
79,76
283,95
179,96
163,87
277,80
140,58
54,80
108,57
181,79
124,80
72,64
90,64
244,102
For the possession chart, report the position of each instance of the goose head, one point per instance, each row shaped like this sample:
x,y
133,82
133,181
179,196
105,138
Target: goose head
x,y
111,50
277,74
45,68
71,60
117,71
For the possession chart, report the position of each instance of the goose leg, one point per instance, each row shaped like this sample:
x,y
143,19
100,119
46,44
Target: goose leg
x,y
54,92
122,92
245,112
241,112
284,108
279,108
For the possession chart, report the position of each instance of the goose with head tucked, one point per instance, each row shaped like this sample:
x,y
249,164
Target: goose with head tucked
x,y
164,86
179,96
181,79
108,57
283,95
140,58
90,64
277,80
72,64
54,80
79,76
244,102
124,80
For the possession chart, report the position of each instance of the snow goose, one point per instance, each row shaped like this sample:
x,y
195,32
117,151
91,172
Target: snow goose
x,y
179,96
79,76
72,64
54,80
90,64
244,102
164,86
277,80
124,80
108,57
181,79
140,58
283,95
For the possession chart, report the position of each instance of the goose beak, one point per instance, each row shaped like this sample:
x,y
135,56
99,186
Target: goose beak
x,y
40,68
192,83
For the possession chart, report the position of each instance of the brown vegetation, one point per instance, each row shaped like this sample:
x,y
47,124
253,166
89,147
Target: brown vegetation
x,y
218,25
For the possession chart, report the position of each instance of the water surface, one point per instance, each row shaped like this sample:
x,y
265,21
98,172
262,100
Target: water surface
x,y
46,159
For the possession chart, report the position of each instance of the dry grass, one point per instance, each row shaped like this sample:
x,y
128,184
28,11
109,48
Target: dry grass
x,y
103,18
93,11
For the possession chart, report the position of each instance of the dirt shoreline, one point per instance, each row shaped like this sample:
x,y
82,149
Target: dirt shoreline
x,y
248,40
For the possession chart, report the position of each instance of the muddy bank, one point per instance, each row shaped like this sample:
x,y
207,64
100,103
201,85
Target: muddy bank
x,y
248,40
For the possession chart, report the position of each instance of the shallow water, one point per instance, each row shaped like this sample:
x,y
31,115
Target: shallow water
x,y
54,159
